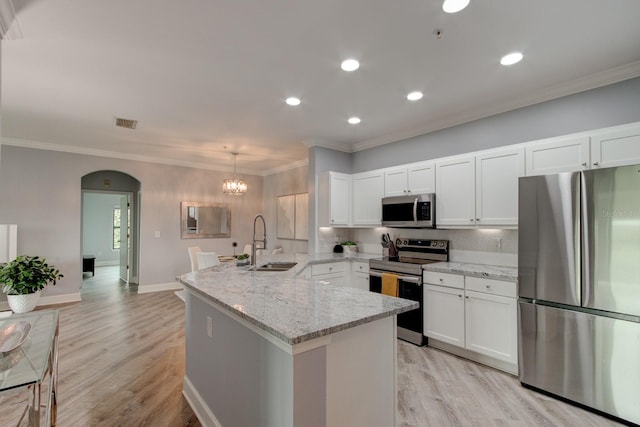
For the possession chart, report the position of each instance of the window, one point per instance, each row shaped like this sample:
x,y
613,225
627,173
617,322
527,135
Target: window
x,y
116,228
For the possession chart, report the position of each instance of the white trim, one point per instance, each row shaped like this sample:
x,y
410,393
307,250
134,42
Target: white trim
x,y
107,263
288,348
199,407
159,287
39,145
607,77
51,300
287,167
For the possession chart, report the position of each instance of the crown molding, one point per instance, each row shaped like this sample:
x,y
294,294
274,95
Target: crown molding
x,y
38,145
316,142
287,167
593,81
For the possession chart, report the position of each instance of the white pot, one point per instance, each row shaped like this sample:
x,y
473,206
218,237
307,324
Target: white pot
x,y
23,303
350,249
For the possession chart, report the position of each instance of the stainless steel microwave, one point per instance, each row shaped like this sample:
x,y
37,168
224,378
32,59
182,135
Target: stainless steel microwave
x,y
415,211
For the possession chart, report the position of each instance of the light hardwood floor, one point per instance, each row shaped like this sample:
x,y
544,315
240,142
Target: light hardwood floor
x,y
122,364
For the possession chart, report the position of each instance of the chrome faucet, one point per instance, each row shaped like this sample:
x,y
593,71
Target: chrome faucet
x,y
263,241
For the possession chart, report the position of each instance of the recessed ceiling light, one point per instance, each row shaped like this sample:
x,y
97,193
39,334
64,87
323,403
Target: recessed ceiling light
x,y
414,96
350,65
292,100
453,6
354,120
512,58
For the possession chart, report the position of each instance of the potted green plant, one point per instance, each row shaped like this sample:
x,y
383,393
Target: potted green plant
x,y
24,278
349,247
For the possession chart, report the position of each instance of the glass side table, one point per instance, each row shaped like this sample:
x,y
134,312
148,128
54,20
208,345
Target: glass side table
x,y
28,364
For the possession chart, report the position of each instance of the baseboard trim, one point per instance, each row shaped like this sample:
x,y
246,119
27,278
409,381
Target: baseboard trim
x,y
199,407
158,287
49,300
107,263
501,365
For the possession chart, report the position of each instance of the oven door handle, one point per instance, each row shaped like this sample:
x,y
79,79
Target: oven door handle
x,y
413,279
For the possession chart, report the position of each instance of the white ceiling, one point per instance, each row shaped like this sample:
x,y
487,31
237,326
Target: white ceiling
x,y
200,75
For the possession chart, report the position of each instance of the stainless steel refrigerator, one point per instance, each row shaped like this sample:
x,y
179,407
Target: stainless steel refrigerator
x,y
579,287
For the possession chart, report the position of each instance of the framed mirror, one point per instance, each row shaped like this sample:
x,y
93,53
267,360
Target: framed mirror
x,y
205,220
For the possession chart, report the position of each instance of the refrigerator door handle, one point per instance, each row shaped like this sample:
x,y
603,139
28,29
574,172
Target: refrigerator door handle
x,y
585,264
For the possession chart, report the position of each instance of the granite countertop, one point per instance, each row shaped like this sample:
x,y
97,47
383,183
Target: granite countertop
x,y
292,309
476,270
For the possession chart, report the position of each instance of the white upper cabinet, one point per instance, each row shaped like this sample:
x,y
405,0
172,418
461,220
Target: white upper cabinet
x,y
558,155
455,192
497,174
395,182
334,199
368,190
617,147
417,178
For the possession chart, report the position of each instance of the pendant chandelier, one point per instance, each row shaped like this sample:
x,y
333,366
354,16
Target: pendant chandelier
x,y
234,186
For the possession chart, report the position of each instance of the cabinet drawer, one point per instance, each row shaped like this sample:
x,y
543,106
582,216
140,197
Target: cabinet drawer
x,y
328,268
491,286
443,279
360,267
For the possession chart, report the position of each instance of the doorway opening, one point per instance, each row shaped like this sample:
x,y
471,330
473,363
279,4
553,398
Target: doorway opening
x,y
110,224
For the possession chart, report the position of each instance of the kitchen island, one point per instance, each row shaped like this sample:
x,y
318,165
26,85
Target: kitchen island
x,y
272,349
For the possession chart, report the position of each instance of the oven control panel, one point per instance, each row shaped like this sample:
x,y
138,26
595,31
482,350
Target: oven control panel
x,y
426,244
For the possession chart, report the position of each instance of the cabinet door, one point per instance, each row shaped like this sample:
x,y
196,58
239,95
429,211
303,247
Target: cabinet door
x,y
421,179
334,199
444,314
562,155
455,192
491,325
395,182
497,174
360,281
340,199
368,190
616,148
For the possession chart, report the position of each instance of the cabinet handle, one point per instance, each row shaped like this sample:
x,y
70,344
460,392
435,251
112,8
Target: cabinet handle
x,y
488,286
460,296
466,297
595,163
441,279
330,268
471,219
584,164
478,219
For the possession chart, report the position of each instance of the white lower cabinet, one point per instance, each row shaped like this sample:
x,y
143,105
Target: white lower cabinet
x,y
332,272
444,314
480,317
360,275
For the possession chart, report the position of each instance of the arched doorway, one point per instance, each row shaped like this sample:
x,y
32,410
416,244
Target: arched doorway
x,y
120,193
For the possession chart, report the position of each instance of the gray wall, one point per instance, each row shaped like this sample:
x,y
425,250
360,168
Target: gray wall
x,y
288,182
610,105
97,227
41,192
322,160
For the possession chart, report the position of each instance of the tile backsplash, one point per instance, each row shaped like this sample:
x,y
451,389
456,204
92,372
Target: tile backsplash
x,y
482,246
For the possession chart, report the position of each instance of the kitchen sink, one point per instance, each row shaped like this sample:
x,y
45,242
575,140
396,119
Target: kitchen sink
x,y
276,266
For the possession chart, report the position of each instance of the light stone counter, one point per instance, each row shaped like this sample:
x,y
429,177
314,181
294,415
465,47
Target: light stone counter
x,y
292,309
276,350
477,270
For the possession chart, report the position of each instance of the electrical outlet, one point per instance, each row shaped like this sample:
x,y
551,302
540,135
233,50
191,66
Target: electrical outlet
x,y
498,243
209,327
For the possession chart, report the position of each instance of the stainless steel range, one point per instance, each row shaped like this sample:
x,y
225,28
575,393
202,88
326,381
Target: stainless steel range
x,y
412,255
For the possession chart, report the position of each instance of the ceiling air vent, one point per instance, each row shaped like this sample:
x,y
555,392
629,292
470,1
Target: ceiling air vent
x,y
125,123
